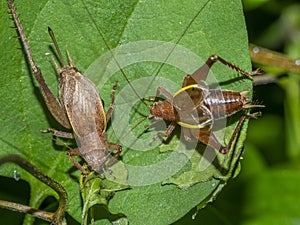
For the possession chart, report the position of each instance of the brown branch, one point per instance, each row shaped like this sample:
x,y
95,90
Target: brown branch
x,y
55,218
267,57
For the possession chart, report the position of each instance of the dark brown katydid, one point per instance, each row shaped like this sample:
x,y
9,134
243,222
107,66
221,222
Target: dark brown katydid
x,y
79,108
195,107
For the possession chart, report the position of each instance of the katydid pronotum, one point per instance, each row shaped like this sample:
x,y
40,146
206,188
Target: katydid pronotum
x,y
79,108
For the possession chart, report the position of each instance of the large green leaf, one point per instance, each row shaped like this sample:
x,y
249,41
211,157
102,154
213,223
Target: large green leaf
x,y
203,27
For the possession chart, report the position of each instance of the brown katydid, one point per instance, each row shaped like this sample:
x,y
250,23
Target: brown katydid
x,y
195,107
79,108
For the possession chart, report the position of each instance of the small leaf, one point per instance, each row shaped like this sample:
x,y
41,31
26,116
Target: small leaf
x,y
96,191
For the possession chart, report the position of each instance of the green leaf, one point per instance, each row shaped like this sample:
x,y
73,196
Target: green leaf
x,y
200,27
260,198
97,191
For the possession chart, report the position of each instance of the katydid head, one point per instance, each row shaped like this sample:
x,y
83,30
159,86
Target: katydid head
x,y
162,110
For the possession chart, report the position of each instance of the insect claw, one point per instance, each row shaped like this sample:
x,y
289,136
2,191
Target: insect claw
x,y
256,72
254,115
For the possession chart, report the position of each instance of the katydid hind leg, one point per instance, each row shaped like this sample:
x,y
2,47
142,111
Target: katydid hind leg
x,y
214,58
199,75
202,73
52,103
237,129
208,138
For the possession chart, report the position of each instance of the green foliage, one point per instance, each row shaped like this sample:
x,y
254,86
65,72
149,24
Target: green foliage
x,y
200,26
